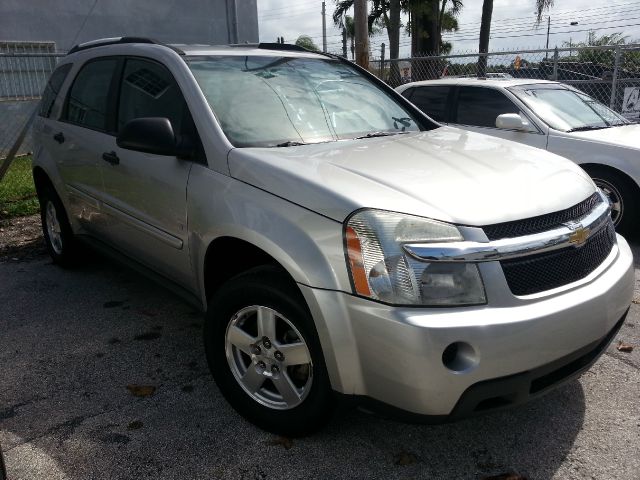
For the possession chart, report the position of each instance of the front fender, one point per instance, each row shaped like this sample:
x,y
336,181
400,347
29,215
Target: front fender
x,y
307,245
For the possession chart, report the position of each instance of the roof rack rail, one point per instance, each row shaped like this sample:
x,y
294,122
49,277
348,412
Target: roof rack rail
x,y
119,40
284,46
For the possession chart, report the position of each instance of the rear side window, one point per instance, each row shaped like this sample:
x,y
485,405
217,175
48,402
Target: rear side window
x,y
51,90
432,101
480,107
149,90
89,96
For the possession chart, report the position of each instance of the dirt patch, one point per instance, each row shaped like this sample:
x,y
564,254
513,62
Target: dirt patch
x,y
21,238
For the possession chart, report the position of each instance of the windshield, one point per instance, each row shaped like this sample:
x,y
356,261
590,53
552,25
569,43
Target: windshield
x,y
568,110
281,101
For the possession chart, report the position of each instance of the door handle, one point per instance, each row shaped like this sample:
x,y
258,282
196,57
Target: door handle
x,y
59,137
111,157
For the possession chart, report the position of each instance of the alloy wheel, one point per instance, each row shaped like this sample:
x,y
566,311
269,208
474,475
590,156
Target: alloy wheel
x,y
268,357
615,199
54,230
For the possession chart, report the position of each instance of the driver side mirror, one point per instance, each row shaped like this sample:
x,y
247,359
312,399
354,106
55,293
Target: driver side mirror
x,y
512,121
153,135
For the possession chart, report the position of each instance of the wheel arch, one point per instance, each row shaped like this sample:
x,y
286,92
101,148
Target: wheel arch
x,y
41,179
591,167
228,256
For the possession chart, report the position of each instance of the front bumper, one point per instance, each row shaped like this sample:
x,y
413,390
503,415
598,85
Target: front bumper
x,y
395,355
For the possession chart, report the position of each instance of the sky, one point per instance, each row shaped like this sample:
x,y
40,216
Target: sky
x,y
513,26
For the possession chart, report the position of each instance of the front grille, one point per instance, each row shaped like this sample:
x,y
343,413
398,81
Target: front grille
x,y
541,223
544,271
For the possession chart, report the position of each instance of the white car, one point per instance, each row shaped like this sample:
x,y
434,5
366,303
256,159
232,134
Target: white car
x,y
548,115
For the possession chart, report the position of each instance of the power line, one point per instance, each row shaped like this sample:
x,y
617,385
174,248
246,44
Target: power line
x,y
287,14
288,7
456,34
84,22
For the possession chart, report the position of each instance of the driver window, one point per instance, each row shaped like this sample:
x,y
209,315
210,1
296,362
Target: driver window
x,y
149,90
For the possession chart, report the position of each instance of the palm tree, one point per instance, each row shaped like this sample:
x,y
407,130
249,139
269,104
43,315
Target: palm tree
x,y
541,6
428,20
485,29
348,25
384,13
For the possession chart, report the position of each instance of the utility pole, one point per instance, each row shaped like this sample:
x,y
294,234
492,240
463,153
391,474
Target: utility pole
x,y
324,28
548,29
362,33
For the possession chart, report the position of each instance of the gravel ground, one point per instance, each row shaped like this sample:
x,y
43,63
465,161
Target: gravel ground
x,y
72,341
21,238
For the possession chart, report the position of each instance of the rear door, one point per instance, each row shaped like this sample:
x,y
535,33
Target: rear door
x,y
476,109
79,137
145,194
434,100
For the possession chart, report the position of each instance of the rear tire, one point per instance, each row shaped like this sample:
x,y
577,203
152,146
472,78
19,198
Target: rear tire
x,y
264,353
58,235
624,197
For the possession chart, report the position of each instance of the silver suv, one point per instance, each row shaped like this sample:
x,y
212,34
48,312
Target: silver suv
x,y
342,244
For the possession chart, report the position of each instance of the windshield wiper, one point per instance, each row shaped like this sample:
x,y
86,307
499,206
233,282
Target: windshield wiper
x,y
290,143
378,134
588,127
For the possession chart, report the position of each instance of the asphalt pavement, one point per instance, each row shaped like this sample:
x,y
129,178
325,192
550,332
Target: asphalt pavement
x,y
103,376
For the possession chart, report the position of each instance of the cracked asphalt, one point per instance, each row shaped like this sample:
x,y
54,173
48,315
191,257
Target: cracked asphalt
x,y
71,341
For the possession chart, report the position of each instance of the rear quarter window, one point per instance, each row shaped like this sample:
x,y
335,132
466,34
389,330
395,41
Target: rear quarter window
x,y
52,89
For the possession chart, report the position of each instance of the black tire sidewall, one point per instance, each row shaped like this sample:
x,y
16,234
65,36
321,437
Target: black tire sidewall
x,y
67,256
628,225
272,289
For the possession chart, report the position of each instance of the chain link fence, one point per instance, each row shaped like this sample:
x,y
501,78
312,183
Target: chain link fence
x,y
610,74
24,70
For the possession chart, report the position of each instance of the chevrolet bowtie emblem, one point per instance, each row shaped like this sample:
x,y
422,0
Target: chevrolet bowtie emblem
x,y
579,235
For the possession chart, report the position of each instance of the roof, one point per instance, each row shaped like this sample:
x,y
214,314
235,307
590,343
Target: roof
x,y
491,82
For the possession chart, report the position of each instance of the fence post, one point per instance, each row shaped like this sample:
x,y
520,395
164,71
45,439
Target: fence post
x,y
382,47
614,80
555,64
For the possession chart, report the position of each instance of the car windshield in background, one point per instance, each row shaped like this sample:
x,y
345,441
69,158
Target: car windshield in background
x,y
284,101
568,110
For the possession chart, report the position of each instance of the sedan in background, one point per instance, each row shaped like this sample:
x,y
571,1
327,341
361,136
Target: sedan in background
x,y
551,116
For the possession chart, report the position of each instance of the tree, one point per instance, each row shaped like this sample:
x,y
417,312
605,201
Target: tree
x,y
429,18
602,57
384,13
305,41
541,6
485,29
350,28
485,32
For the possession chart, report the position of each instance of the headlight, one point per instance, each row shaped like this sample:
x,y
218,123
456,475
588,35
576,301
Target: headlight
x,y
381,270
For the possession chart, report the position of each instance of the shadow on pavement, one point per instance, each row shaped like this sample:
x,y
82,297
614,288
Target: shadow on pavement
x,y
74,340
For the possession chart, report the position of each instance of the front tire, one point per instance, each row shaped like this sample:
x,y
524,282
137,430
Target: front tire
x,y
58,235
264,353
625,203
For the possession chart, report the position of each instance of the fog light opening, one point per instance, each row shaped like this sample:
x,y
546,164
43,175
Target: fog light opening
x,y
460,357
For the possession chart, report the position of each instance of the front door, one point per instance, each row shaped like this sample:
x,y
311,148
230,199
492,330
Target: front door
x,y
145,195
477,108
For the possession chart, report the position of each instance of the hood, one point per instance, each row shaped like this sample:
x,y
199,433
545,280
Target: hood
x,y
447,174
624,136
